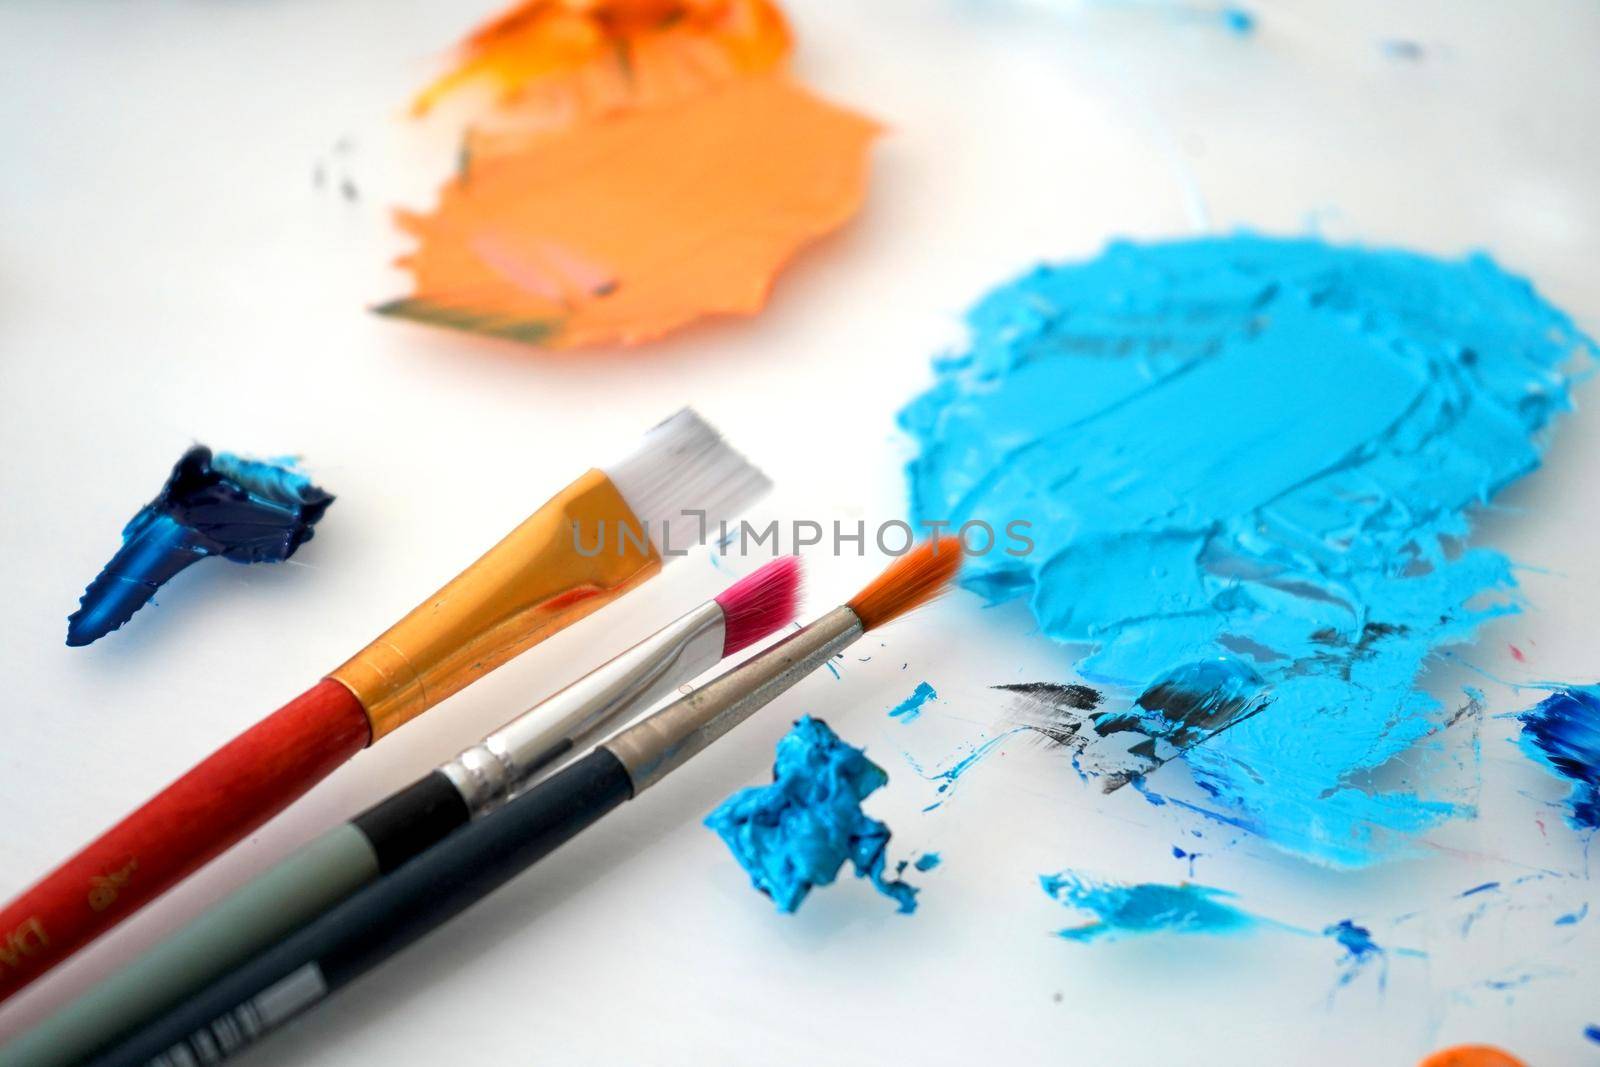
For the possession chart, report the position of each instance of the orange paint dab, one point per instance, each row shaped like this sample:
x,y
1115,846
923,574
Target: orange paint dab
x,y
1472,1056
556,61
627,227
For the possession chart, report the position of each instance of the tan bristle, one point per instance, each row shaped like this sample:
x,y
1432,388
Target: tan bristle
x,y
910,582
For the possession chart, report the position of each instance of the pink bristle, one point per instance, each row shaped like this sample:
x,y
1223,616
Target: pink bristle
x,y
760,603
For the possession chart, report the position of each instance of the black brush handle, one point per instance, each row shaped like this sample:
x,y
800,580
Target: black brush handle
x,y
411,821
377,921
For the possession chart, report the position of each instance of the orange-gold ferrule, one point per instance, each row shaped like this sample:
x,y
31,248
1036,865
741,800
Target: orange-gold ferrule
x,y
534,582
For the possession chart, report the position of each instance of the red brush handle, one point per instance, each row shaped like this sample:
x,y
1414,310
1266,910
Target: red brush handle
x,y
235,790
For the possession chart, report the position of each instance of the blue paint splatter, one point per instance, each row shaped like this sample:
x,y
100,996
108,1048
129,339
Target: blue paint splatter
x,y
1359,951
1116,909
798,832
1261,450
949,775
928,861
243,510
910,709
1563,734
1484,888
1592,1032
1182,854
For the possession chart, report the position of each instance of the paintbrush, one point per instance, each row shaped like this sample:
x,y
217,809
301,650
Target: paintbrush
x,y
380,839
379,919
597,539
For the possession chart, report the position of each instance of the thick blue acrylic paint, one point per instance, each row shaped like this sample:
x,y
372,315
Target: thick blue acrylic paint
x,y
796,833
1563,733
928,861
243,510
910,709
1261,453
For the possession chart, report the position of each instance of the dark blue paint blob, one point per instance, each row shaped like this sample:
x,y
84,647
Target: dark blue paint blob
x,y
1592,1032
798,832
242,510
1484,888
928,861
1563,733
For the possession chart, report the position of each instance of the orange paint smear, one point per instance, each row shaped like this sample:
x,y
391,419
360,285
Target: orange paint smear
x,y
1472,1056
624,228
558,61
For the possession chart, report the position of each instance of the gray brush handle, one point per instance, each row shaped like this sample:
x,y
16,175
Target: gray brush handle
x,y
298,889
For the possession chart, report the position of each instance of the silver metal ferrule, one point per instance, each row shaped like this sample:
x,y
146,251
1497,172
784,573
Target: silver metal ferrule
x,y
656,746
508,760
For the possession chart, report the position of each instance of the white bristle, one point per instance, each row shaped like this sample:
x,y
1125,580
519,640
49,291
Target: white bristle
x,y
683,465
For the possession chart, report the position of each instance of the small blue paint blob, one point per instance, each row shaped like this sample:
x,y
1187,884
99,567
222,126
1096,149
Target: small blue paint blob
x,y
1359,950
910,709
1484,888
1117,909
1573,918
1265,451
1182,854
1563,734
928,861
1237,20
247,511
798,832
1592,1032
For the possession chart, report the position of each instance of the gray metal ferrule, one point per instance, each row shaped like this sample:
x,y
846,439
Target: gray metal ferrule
x,y
506,762
653,748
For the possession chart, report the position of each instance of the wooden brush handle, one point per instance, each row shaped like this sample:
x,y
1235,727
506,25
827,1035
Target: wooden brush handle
x,y
223,798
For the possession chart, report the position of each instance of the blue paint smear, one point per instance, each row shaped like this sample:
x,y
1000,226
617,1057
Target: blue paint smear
x,y
948,776
247,511
1573,918
1117,910
1592,1032
910,709
1238,21
1484,888
1248,448
928,861
1563,734
796,833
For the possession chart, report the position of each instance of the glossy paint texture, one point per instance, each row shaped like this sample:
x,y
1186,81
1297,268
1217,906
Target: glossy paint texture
x,y
1254,458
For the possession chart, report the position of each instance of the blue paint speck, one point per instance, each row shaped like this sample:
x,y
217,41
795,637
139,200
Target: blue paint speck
x,y
1484,888
1563,734
247,511
1238,21
928,861
1592,1032
796,833
910,709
